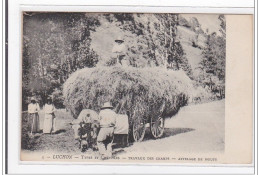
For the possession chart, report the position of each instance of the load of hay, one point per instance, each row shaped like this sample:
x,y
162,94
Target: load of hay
x,y
144,92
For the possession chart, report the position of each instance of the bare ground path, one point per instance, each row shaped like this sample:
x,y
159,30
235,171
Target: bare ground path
x,y
196,128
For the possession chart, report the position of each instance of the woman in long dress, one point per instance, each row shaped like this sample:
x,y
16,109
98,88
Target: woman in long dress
x,y
33,110
49,118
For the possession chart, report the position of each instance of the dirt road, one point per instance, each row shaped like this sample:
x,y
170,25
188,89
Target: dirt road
x,y
196,128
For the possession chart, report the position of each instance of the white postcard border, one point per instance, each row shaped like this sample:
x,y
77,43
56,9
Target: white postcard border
x,y
14,106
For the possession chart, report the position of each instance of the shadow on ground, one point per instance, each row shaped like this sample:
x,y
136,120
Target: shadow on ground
x,y
60,131
168,132
174,131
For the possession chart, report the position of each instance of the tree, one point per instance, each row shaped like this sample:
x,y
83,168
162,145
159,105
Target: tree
x,y
57,44
54,46
214,57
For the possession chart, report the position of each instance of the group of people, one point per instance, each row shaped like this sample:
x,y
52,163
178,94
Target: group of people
x,y
102,125
92,129
89,126
49,117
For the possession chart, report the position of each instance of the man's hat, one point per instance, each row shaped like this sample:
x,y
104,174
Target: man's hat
x,y
106,105
119,39
33,98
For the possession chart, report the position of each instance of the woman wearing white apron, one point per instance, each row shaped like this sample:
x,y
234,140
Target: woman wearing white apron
x,y
33,111
49,118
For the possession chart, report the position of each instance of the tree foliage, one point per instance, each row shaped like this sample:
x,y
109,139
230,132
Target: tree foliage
x,y
54,46
214,59
57,44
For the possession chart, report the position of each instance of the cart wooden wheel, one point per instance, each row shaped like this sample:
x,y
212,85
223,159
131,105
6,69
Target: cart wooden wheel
x,y
157,126
138,130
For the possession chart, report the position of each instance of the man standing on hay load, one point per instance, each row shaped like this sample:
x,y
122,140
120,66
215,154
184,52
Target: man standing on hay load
x,y
107,118
119,52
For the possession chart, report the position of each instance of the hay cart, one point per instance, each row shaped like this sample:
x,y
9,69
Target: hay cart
x,y
156,125
155,122
138,128
150,95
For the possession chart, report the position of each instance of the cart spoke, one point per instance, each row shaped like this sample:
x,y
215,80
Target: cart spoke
x,y
157,131
154,132
138,130
137,135
157,126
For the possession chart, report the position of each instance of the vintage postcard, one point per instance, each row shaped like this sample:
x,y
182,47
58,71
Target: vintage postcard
x,y
137,88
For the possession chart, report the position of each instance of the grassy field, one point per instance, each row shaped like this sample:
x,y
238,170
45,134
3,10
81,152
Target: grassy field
x,y
63,140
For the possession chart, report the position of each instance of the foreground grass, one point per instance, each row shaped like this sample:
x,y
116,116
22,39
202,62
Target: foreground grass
x,y
63,140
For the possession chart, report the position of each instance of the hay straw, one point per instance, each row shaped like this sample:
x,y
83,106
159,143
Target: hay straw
x,y
144,92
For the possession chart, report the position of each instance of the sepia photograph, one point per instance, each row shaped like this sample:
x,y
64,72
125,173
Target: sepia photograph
x,y
123,87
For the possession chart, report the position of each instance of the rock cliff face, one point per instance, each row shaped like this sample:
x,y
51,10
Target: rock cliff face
x,y
203,43
192,39
192,44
